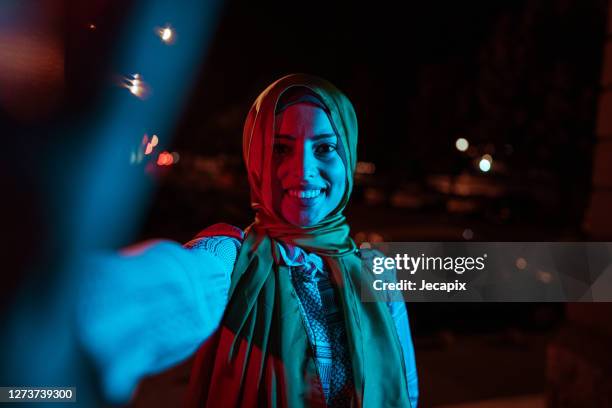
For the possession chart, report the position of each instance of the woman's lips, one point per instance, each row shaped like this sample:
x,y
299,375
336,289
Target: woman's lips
x,y
305,197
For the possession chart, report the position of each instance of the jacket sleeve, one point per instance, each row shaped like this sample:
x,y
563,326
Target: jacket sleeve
x,y
397,309
150,307
400,318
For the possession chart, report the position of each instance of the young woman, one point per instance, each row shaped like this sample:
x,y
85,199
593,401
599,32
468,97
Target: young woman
x,y
294,332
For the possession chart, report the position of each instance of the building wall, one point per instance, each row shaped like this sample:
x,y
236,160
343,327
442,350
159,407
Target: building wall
x,y
579,360
598,219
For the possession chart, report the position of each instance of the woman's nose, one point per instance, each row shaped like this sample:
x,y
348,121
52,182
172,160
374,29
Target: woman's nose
x,y
306,164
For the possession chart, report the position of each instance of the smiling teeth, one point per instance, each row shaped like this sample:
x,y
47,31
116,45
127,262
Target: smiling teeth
x,y
305,193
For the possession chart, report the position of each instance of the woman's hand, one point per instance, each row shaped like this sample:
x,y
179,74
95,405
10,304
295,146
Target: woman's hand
x,y
147,309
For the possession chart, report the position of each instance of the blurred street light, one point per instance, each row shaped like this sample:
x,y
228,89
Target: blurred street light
x,y
462,144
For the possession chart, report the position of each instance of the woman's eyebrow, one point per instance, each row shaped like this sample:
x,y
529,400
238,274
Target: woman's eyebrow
x,y
323,136
288,137
315,137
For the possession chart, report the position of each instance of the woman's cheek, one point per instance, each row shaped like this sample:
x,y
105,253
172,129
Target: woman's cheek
x,y
338,173
277,186
337,179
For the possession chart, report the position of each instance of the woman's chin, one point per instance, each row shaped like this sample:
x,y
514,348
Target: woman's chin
x,y
301,219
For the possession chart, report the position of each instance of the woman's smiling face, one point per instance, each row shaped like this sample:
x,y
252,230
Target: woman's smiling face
x,y
309,176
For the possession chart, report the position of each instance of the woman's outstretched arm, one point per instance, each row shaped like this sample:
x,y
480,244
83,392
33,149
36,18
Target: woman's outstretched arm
x,y
150,307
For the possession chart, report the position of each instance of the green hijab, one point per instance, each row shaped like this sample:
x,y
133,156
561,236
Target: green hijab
x,y
261,355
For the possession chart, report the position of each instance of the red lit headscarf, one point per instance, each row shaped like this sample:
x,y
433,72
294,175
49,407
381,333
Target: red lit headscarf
x,y
258,141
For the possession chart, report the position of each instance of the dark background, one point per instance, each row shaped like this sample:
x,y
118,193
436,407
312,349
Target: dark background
x,y
518,79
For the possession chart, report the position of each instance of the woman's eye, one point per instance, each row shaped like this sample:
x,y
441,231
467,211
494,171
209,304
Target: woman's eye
x,y
325,148
281,149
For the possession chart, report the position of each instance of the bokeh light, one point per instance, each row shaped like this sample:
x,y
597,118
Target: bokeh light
x,y
365,168
166,34
468,234
485,163
166,159
136,86
462,144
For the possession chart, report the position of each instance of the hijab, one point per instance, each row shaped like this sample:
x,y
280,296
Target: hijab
x,y
260,355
